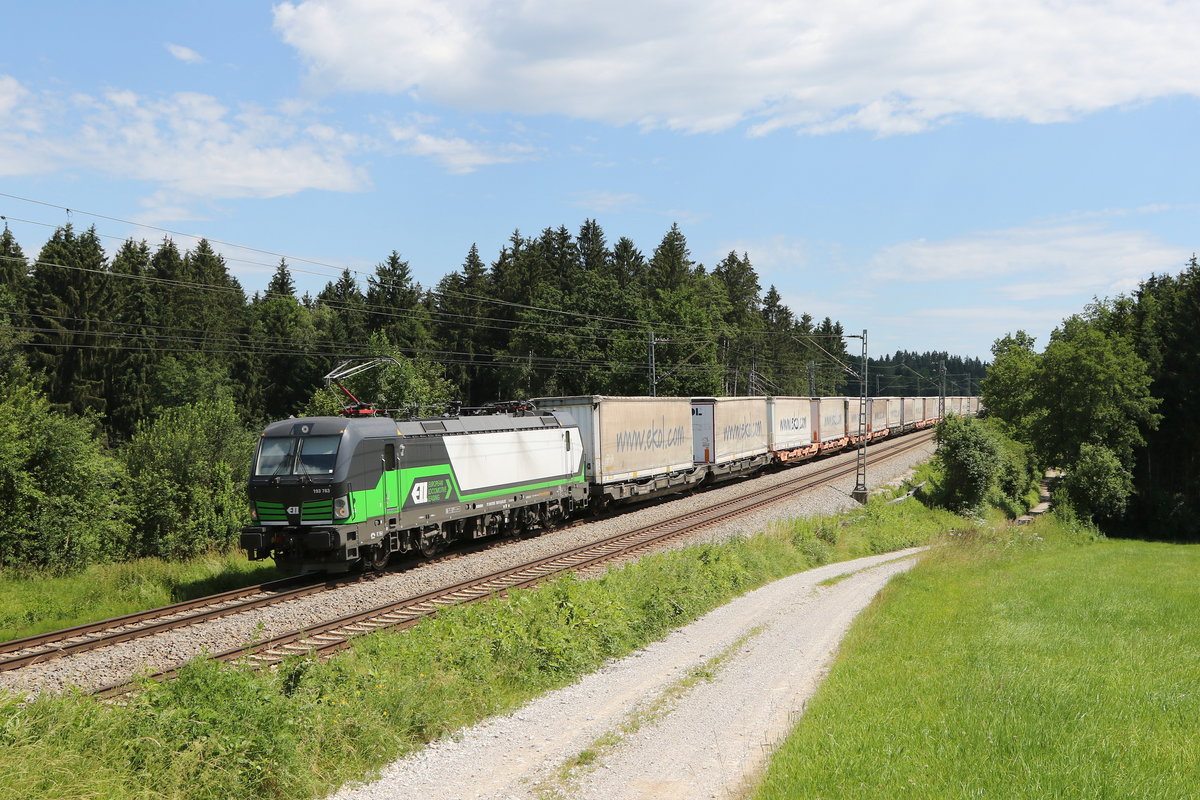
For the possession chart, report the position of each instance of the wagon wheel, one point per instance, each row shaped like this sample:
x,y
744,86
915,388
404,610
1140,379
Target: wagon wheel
x,y
599,505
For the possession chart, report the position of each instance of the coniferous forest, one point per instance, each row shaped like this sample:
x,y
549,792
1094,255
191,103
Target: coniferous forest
x,y
133,383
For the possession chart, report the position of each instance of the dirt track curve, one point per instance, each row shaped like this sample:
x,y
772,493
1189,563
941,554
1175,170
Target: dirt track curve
x,y
761,657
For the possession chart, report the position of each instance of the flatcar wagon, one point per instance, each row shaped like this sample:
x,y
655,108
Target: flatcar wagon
x,y
791,429
830,415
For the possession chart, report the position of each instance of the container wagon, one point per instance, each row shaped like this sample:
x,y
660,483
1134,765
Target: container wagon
x,y
912,412
791,429
830,414
730,434
632,446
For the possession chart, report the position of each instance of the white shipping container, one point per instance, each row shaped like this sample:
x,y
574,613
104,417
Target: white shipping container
x,y
629,437
931,407
912,411
895,407
879,407
728,428
791,422
853,404
830,413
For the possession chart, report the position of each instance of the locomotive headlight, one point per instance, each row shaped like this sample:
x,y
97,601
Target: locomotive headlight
x,y
254,512
341,507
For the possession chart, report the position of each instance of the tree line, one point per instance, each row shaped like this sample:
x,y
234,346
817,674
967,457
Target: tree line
x,y
1112,399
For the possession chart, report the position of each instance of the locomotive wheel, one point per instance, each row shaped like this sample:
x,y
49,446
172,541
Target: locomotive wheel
x,y
376,558
431,543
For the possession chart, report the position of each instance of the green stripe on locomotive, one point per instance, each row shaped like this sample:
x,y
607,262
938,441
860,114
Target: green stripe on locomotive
x,y
370,503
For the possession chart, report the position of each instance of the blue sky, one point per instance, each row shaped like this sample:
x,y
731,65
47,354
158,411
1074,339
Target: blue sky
x,y
937,172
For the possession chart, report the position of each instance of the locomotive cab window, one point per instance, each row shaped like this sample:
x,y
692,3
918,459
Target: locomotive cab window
x,y
288,455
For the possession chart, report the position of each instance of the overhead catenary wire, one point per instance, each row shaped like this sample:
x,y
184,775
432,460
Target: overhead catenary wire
x,y
436,316
368,308
356,308
339,269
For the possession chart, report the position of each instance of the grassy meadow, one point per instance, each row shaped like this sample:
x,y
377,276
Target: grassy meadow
x,y
1037,663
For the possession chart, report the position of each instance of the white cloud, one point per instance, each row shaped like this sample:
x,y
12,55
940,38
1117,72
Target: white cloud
x,y
23,148
188,144
185,54
1038,261
458,155
707,65
603,202
776,256
11,93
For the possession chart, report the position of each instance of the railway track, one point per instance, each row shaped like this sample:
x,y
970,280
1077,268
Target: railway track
x,y
39,648
329,637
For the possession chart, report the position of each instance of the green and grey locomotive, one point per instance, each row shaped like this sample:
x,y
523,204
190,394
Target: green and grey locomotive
x,y
327,493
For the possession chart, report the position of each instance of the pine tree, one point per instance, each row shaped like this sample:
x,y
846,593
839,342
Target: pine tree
x,y
70,303
464,331
14,279
342,317
671,265
194,364
395,304
284,332
128,375
742,344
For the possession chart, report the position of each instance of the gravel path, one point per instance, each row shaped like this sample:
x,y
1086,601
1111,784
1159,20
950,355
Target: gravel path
x,y
161,651
666,733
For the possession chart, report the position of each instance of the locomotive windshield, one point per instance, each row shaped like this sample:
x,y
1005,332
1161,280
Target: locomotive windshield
x,y
296,455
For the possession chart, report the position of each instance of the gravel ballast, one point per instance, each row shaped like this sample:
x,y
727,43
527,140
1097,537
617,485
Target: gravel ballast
x,y
163,651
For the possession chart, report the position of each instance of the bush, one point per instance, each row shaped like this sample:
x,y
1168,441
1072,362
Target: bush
x,y
970,459
187,473
1098,483
59,497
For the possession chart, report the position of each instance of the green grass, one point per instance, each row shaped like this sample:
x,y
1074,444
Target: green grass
x,y
38,603
222,732
1024,664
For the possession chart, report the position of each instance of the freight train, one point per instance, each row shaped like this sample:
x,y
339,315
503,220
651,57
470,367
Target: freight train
x,y
328,494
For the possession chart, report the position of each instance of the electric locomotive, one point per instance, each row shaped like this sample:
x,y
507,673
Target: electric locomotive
x,y
329,493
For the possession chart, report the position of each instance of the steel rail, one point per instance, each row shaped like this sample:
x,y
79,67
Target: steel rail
x,y
36,649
